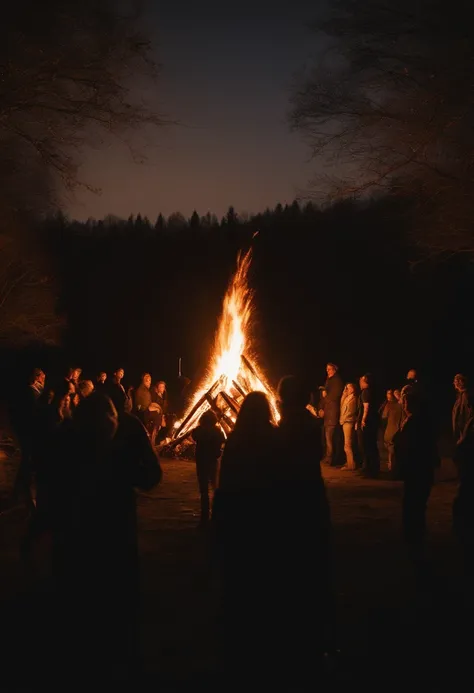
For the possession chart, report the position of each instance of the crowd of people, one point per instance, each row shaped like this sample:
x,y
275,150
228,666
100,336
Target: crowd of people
x,y
352,420
91,444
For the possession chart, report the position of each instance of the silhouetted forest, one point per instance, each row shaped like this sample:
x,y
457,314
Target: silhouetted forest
x,y
345,283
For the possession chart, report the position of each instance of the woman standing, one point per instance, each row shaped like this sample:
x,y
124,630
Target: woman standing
x,y
160,398
417,455
348,420
392,414
248,542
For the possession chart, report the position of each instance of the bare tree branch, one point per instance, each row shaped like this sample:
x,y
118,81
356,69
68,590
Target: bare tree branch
x,y
391,107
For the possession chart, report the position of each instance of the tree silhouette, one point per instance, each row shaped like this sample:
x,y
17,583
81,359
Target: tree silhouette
x,y
176,221
391,105
160,223
194,221
66,75
65,80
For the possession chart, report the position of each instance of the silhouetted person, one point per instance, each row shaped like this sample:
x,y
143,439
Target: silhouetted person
x,y
244,521
147,411
159,396
417,457
367,428
98,462
463,506
332,409
101,382
460,416
23,420
320,414
304,528
74,376
392,414
116,391
85,388
209,441
54,408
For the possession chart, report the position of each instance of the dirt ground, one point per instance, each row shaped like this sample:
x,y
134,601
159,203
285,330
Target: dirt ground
x,y
389,634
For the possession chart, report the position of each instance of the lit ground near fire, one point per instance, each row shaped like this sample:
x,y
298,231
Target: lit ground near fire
x,y
380,619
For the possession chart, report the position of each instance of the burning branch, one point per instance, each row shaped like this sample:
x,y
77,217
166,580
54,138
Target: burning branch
x,y
232,373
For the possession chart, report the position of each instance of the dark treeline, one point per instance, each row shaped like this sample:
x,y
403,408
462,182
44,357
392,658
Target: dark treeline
x,y
344,283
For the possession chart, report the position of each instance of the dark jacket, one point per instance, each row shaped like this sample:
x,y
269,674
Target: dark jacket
x,y
334,387
209,442
143,398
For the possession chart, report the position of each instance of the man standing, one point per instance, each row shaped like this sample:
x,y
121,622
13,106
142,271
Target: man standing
x,y
460,417
332,409
367,429
117,393
101,381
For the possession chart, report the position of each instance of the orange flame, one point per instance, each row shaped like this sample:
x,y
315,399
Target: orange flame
x,y
232,367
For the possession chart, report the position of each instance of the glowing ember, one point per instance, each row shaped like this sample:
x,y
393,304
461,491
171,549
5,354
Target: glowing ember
x,y
232,372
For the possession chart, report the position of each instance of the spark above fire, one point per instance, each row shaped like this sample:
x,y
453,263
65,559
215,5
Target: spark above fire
x,y
232,371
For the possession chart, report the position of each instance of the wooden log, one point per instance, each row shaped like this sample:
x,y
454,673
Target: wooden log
x,y
238,388
198,404
174,443
230,402
218,412
250,367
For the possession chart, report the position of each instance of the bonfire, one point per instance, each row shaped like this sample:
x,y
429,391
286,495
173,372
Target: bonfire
x,y
233,371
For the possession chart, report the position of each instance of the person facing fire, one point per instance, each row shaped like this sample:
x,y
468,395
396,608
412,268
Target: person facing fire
x,y
143,399
117,393
463,506
101,381
367,428
304,529
23,419
209,440
245,516
146,410
159,396
417,455
74,375
460,416
85,388
332,410
392,414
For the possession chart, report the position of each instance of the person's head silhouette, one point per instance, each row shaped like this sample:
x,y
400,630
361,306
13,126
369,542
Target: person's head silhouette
x,y
254,414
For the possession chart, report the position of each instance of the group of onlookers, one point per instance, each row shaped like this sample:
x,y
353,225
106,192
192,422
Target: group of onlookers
x,y
86,453
350,413
270,516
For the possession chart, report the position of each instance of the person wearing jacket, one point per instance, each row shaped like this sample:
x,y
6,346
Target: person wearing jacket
x,y
348,420
334,387
392,414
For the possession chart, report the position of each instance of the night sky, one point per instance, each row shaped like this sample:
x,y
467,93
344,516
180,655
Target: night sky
x,y
226,78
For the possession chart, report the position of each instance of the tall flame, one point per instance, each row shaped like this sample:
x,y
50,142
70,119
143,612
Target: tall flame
x,y
232,369
232,333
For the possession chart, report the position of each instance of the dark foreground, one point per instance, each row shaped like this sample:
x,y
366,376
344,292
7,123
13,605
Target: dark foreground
x,y
391,634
